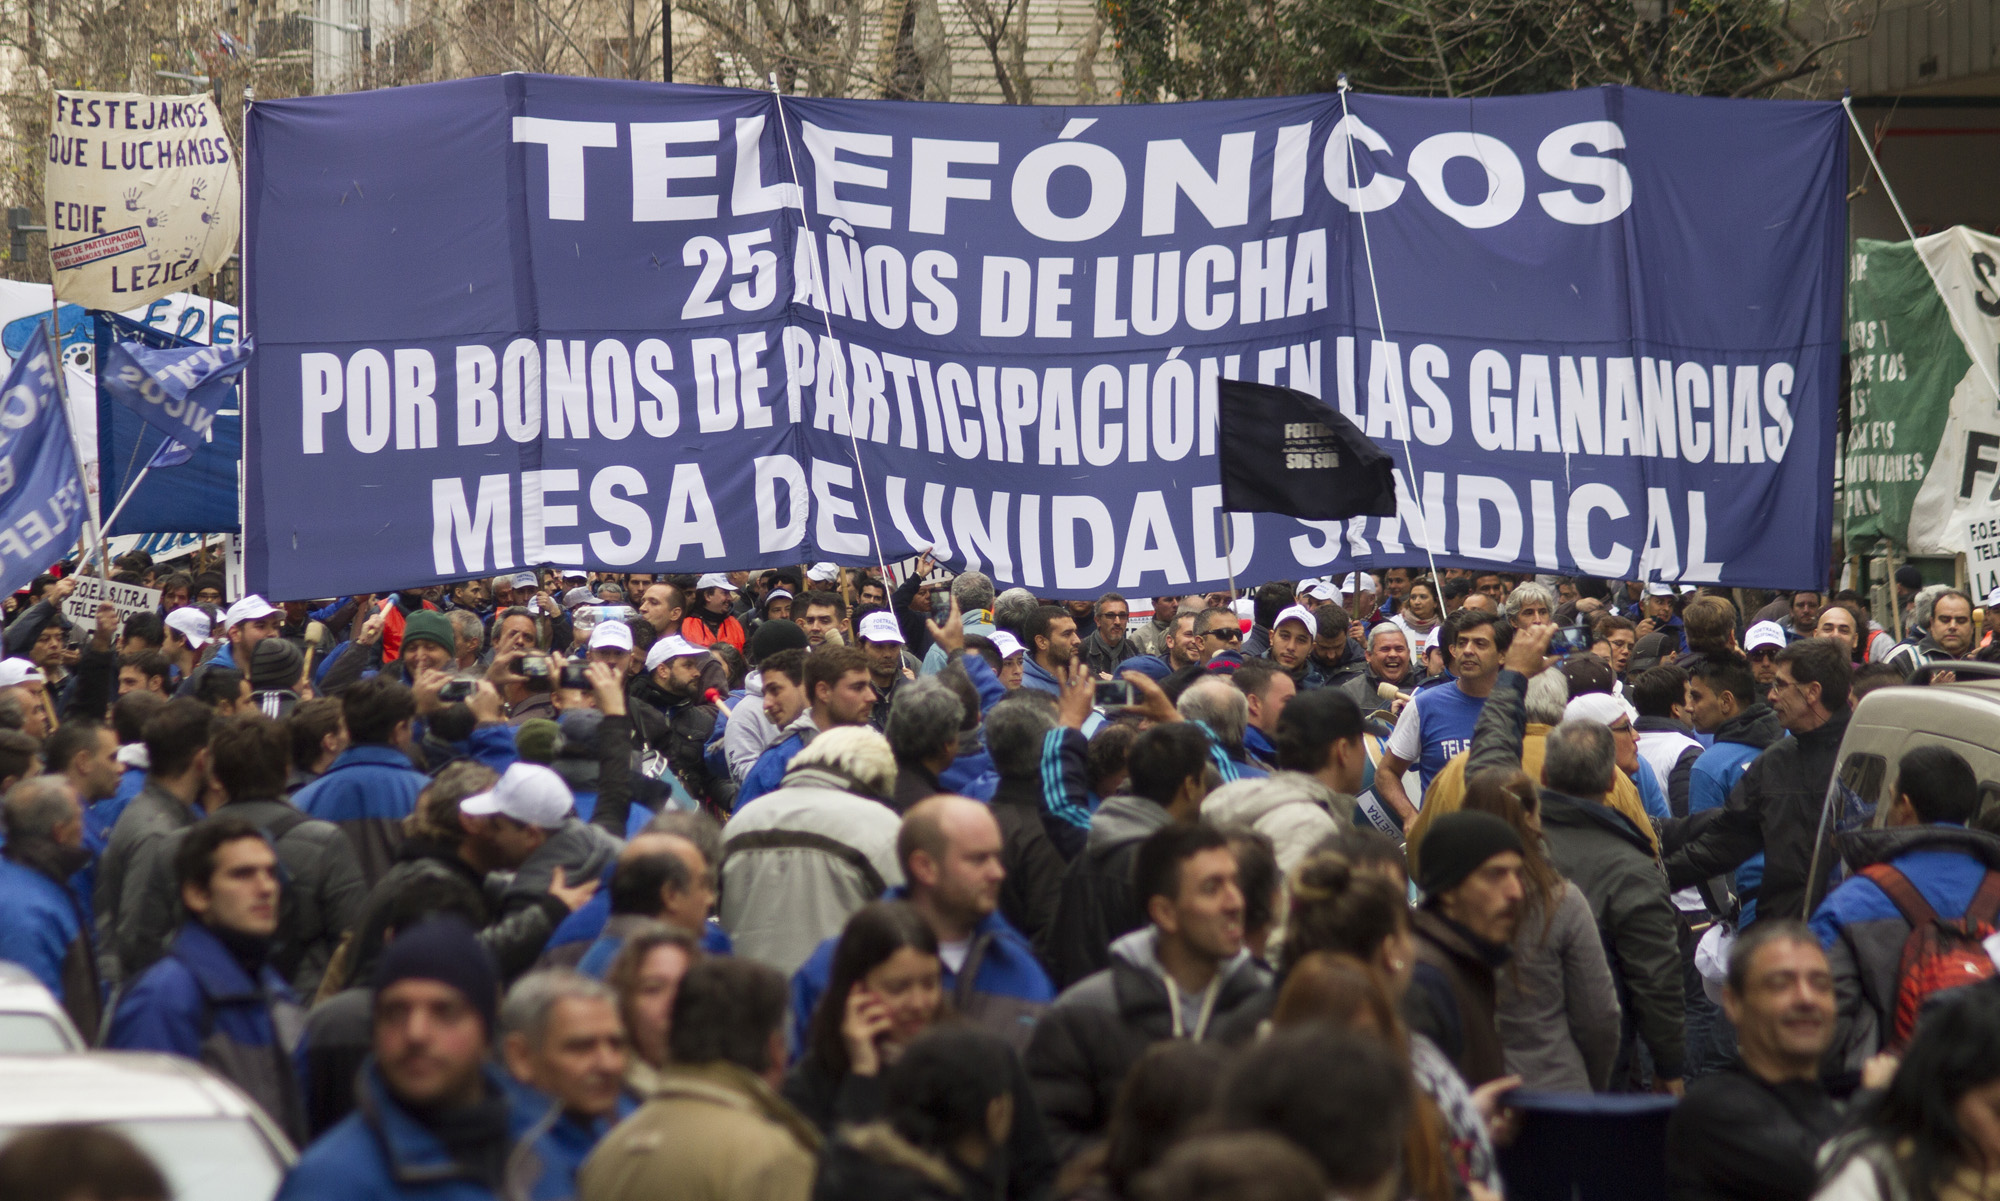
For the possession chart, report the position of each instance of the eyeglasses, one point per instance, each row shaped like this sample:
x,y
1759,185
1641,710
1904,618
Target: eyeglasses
x,y
1225,633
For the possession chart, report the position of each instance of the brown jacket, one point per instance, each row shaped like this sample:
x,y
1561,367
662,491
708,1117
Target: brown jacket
x,y
1453,998
710,1133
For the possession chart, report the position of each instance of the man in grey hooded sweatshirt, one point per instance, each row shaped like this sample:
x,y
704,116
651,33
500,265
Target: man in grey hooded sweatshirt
x,y
1180,977
1168,778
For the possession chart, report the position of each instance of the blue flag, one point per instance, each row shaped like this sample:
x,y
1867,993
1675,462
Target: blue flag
x,y
177,391
171,454
41,494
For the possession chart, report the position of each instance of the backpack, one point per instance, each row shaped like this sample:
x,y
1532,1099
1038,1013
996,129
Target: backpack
x,y
1938,954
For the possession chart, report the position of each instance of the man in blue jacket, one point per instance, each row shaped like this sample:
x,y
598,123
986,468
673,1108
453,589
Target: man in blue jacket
x,y
214,998
1925,858
1725,703
950,850
46,931
435,1118
372,786
561,1036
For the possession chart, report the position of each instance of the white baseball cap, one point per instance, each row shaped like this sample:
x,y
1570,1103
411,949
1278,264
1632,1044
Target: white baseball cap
x,y
577,596
713,579
1006,644
1320,590
250,608
777,594
1762,634
529,793
824,573
1993,599
190,623
1600,707
18,671
1363,579
880,627
523,579
614,634
1303,616
575,573
1659,590
673,646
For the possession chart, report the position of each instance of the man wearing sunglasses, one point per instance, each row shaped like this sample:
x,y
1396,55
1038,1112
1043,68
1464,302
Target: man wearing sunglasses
x,y
1221,631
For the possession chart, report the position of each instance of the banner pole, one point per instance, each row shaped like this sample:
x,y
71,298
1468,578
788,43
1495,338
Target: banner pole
x,y
1868,148
1382,329
129,490
91,542
826,320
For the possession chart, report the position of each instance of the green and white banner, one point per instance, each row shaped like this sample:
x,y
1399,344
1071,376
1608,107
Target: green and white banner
x,y
1923,453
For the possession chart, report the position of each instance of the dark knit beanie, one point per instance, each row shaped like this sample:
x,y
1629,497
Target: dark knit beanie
x,y
276,664
1909,577
443,949
774,636
429,625
538,740
1457,844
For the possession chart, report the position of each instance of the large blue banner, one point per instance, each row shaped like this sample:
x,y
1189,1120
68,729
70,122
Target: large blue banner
x,y
524,320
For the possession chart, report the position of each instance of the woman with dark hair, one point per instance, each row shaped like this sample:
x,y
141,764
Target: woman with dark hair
x,y
883,993
884,989
948,1112
1558,1008
1169,1088
1934,1133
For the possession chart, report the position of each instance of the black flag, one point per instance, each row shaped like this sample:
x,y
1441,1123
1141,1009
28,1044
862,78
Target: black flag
x,y
1286,452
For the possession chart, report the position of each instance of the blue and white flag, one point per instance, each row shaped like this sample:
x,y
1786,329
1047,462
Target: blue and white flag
x,y
41,494
178,391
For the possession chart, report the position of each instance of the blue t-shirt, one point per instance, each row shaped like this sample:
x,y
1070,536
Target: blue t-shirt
x,y
1436,725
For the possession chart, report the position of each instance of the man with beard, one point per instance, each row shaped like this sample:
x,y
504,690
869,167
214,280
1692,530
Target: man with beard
x,y
1051,638
714,617
682,718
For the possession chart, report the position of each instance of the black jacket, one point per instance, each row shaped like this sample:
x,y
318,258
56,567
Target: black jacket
x,y
1612,864
851,1102
1775,809
874,1163
1736,1137
1097,904
1089,1039
515,940
1034,885
679,728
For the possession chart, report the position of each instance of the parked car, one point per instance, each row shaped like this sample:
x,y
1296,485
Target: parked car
x,y
31,1020
1960,710
212,1142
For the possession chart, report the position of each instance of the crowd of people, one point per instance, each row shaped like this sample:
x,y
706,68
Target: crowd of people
x,y
803,884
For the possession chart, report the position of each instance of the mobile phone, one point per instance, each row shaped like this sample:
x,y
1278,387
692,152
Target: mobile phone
x,y
534,669
455,690
1114,694
573,677
1570,640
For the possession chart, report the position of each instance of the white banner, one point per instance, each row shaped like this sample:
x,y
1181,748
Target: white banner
x,y
80,606
142,195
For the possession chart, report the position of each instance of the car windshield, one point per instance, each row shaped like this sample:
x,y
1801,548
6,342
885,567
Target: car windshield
x,y
32,1034
206,1159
